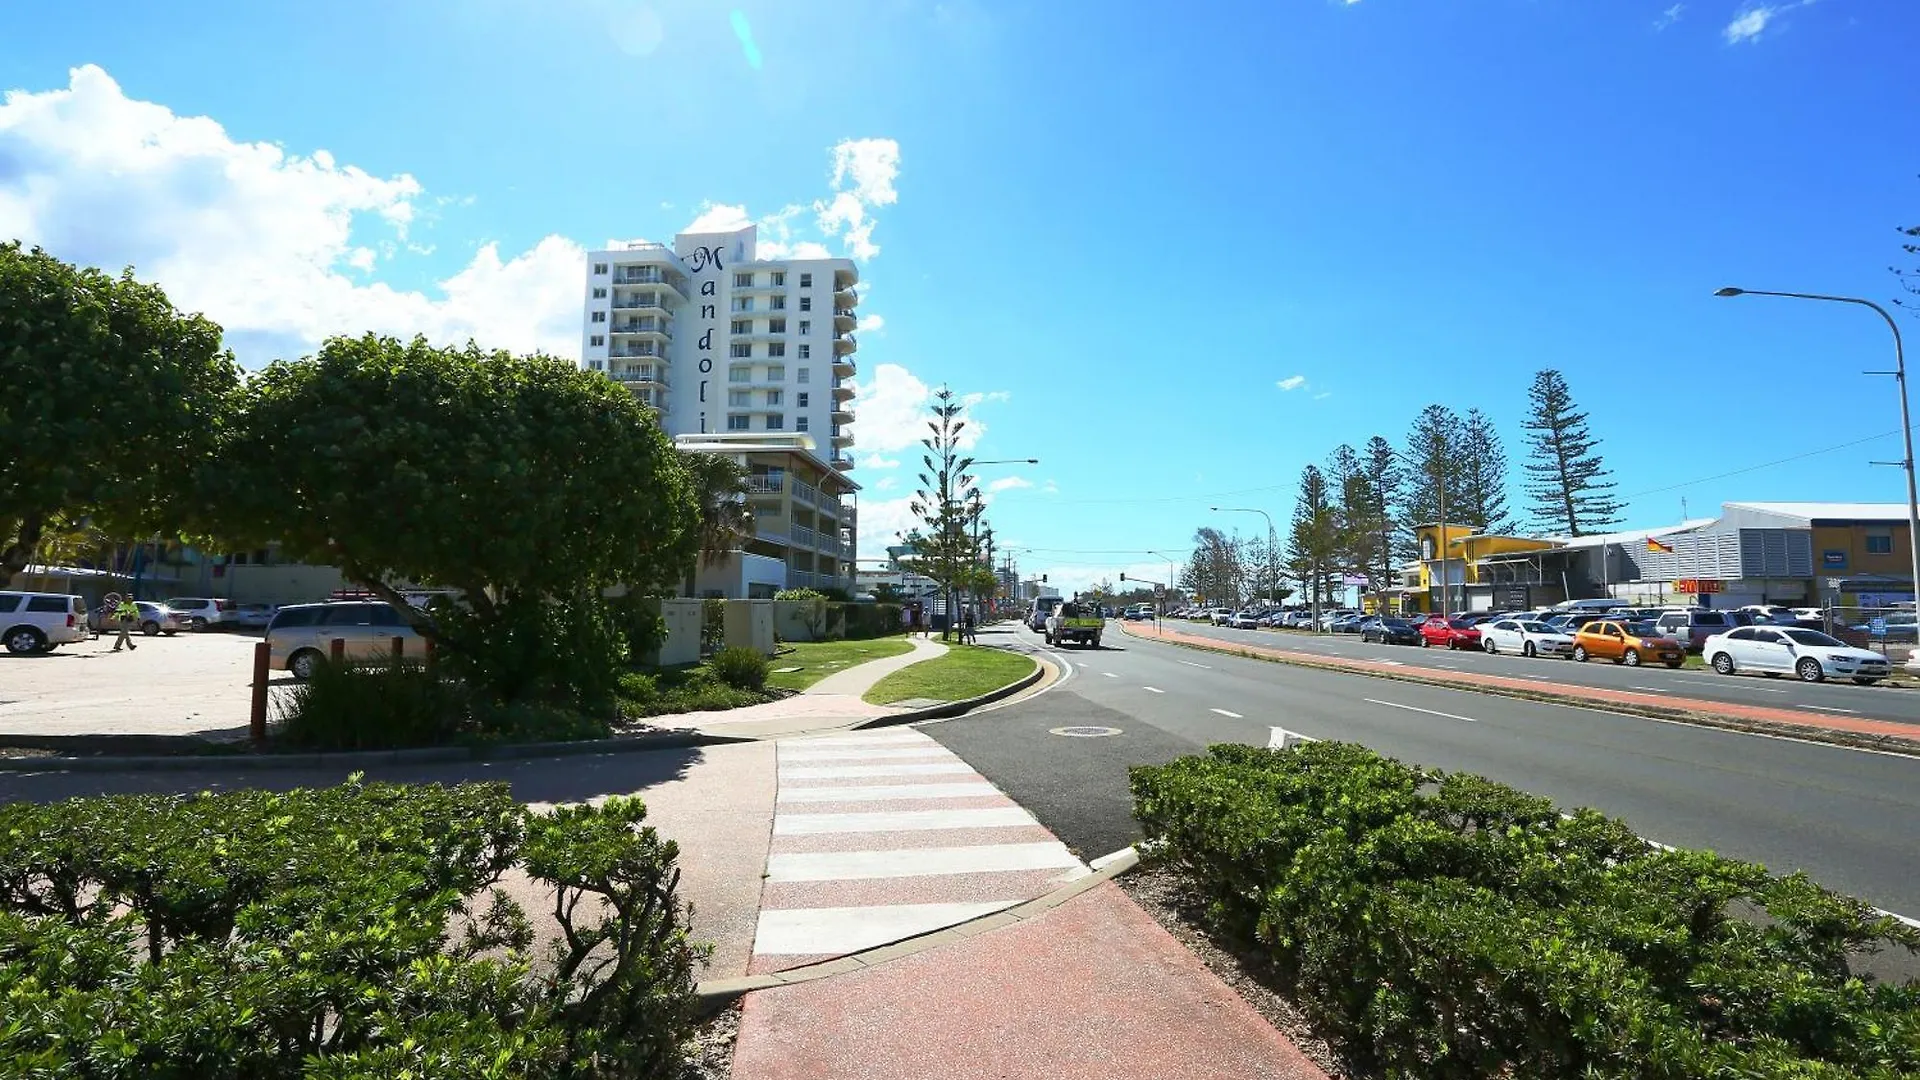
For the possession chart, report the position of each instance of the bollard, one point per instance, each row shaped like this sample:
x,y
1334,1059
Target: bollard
x,y
257,721
337,650
399,648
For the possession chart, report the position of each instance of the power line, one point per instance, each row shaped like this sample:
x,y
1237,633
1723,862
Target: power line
x,y
1763,465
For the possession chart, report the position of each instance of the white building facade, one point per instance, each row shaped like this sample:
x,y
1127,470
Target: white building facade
x,y
718,340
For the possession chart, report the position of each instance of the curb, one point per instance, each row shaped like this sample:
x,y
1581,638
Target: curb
x,y
428,755
716,994
951,709
1853,740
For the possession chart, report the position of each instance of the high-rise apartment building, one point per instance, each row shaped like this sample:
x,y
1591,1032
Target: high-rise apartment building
x,y
751,358
719,340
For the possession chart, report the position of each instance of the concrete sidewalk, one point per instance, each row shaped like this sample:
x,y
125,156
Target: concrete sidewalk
x,y
834,701
1094,988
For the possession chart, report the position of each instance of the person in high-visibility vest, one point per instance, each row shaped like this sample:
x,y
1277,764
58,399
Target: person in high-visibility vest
x,y
127,614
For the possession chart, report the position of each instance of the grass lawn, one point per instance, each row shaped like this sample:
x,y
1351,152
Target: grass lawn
x,y
965,671
819,659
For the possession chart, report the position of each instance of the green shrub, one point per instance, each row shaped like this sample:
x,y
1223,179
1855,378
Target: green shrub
x,y
713,625
384,704
799,594
864,620
641,624
561,651
741,668
1444,925
346,932
680,691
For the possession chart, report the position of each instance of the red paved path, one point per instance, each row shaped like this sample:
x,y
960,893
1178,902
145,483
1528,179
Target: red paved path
x,y
1597,695
1094,988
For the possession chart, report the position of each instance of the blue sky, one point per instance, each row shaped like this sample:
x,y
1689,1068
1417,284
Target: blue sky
x,y
1124,226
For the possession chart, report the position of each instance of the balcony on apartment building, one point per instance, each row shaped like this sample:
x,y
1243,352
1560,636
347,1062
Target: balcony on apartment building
x,y
641,301
844,464
843,388
639,349
762,283
650,374
643,327
670,286
844,318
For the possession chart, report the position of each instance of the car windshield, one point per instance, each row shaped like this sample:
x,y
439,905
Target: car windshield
x,y
1459,624
1398,624
1814,637
1643,629
1538,628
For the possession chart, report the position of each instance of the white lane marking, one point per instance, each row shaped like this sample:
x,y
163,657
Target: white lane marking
x,y
806,931
847,772
919,862
996,817
1224,712
1830,708
1190,663
1649,689
867,753
1109,674
1390,663
884,792
902,738
1416,708
1153,690
1915,923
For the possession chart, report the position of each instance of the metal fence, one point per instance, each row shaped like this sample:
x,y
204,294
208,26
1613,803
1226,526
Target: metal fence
x,y
1889,631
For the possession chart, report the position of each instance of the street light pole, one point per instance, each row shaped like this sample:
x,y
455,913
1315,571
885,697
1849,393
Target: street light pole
x,y
1159,619
1273,543
1899,374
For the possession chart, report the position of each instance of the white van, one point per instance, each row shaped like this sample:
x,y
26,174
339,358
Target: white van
x,y
1037,615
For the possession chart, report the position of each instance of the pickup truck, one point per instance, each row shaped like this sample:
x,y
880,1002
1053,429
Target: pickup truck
x,y
1073,621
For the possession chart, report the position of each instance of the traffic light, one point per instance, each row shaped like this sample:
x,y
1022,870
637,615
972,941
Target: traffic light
x,y
1123,575
1043,579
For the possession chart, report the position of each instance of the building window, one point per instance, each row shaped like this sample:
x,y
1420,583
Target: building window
x,y
806,303
736,421
597,340
806,352
806,281
775,397
1880,543
739,398
596,365
600,292
776,348
599,316
743,326
743,303
806,327
778,303
775,421
776,326
776,373
779,277
743,281
801,401
740,351
740,374
799,423
599,268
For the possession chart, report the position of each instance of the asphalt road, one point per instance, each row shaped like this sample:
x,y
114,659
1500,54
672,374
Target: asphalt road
x,y
1849,818
1838,698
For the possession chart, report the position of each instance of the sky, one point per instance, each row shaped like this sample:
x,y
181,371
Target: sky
x,y
1174,252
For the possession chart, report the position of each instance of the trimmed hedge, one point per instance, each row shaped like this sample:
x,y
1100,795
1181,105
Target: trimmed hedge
x,y
345,932
866,620
1443,925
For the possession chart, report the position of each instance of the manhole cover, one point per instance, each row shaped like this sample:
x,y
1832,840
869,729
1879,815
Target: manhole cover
x,y
1088,732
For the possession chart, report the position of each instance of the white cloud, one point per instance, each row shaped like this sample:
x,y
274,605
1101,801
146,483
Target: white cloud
x,y
892,411
718,217
863,174
1050,488
1669,17
1008,483
872,324
1323,395
882,521
977,398
875,461
1754,20
1292,382
261,240
885,483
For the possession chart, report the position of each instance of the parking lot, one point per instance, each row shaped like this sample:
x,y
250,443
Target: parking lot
x,y
188,684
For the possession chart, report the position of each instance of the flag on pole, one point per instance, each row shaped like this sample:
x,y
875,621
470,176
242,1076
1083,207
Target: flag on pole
x,y
1655,545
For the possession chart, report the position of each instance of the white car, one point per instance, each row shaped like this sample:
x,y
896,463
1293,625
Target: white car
x,y
32,622
1806,654
201,612
1526,637
1220,616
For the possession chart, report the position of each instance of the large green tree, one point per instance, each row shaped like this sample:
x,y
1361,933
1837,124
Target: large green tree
x,y
112,400
1315,537
1217,568
1482,498
1568,488
528,485
1431,472
1381,466
724,519
947,548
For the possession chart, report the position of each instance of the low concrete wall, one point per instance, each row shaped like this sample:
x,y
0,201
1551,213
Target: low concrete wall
x,y
683,633
288,584
791,619
750,623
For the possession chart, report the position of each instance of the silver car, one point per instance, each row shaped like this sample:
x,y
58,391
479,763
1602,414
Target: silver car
x,y
154,619
302,635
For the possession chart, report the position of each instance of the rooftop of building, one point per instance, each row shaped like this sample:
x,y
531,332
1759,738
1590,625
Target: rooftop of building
x,y
764,442
1810,512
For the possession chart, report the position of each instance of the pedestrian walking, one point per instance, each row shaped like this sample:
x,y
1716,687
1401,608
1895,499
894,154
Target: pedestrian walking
x,y
126,614
966,628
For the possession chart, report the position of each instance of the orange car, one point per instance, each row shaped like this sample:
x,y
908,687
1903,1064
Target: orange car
x,y
1627,643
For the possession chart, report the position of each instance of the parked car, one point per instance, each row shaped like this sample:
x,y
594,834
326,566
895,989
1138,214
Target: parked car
x,y
301,635
1453,632
1808,654
1897,626
1568,622
32,622
1347,624
1693,626
154,619
1811,618
254,616
1220,616
1629,643
201,612
1388,630
1528,637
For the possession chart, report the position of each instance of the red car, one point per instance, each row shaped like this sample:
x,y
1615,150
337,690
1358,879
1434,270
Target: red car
x,y
1454,633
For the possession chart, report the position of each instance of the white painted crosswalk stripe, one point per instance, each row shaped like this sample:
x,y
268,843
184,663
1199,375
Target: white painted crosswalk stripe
x,y
919,862
843,772
802,931
992,817
884,792
866,753
874,738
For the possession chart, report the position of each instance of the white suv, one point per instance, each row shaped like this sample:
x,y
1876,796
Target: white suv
x,y
201,612
32,622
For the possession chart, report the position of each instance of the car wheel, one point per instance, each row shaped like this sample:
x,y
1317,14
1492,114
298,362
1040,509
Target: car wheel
x,y
1810,670
1096,642
150,628
1426,642
1527,650
196,623
1487,644
169,633
25,640
1580,653
303,663
1675,664
1866,682
1723,663
1631,658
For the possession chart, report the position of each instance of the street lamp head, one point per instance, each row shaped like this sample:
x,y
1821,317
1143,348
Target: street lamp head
x,y
1729,291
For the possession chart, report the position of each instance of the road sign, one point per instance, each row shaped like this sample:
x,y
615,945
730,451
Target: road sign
x,y
1159,592
1833,583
